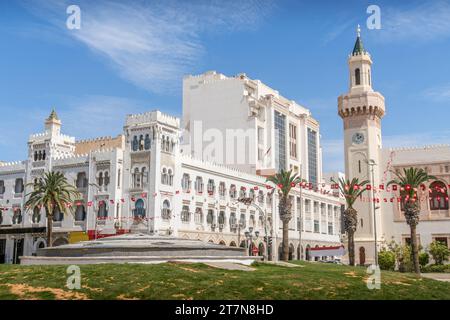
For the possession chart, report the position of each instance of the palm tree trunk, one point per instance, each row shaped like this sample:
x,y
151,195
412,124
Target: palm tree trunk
x,y
415,249
351,248
285,240
49,230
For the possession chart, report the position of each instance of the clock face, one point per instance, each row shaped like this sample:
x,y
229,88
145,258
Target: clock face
x,y
358,138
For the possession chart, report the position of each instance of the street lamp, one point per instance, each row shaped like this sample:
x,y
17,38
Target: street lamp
x,y
372,163
250,237
250,202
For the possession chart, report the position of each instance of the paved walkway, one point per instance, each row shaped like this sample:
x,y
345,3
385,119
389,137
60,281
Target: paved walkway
x,y
437,276
229,266
284,264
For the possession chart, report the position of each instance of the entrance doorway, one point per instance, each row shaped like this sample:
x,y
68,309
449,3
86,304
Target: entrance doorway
x,y
362,256
18,250
2,250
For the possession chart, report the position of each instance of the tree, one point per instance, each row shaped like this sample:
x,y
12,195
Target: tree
x,y
409,181
439,251
52,192
351,190
285,181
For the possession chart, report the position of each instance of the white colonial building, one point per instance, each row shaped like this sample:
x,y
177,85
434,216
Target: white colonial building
x,y
362,110
148,179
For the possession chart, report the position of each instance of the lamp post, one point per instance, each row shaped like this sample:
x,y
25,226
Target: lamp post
x,y
250,237
372,163
250,202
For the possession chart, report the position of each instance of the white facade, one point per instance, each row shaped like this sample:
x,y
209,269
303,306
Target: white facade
x,y
142,181
362,110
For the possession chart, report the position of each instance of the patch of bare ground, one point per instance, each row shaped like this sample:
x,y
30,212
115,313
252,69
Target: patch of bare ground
x,y
26,292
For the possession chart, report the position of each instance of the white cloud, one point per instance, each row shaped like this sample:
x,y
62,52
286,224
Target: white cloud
x,y
439,93
152,44
427,21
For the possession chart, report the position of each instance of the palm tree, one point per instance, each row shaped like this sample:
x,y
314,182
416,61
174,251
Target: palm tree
x,y
351,190
285,180
52,192
409,181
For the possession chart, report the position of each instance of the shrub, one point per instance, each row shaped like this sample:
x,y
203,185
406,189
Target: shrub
x,y
436,268
386,260
439,251
424,259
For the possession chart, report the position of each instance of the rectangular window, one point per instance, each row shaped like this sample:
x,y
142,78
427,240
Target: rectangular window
x,y
312,156
316,226
280,141
330,228
292,141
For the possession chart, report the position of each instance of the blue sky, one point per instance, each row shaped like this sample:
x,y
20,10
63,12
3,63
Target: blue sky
x,y
130,57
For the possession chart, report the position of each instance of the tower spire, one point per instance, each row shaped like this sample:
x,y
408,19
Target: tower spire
x,y
358,48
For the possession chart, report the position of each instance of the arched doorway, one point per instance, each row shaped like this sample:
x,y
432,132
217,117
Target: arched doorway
x,y
280,251
362,256
291,252
139,209
307,256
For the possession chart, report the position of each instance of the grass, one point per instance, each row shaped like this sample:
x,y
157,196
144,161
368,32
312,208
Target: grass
x,y
199,281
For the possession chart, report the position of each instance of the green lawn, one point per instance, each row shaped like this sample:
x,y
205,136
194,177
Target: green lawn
x,y
198,281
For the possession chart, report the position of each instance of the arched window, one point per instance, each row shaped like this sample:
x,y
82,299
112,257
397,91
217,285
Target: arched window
x,y
36,218
18,187
17,216
170,177
141,142
100,179
261,196
164,178
211,186
210,218
81,180
147,142
357,77
221,219
242,220
185,214
233,191
139,209
438,196
80,213
106,179
165,214
251,194
222,189
233,221
43,155
135,144
35,156
40,155
368,77
163,143
58,216
242,193
199,184
102,210
198,217
186,182
167,144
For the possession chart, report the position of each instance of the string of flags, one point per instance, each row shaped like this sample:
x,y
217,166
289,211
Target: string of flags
x,y
440,193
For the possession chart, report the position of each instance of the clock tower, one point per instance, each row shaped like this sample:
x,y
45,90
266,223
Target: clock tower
x,y
361,110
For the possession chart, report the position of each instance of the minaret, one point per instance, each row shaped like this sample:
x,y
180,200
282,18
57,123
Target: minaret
x,y
361,110
53,124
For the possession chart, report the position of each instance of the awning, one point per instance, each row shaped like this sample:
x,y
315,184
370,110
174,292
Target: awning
x,y
327,251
